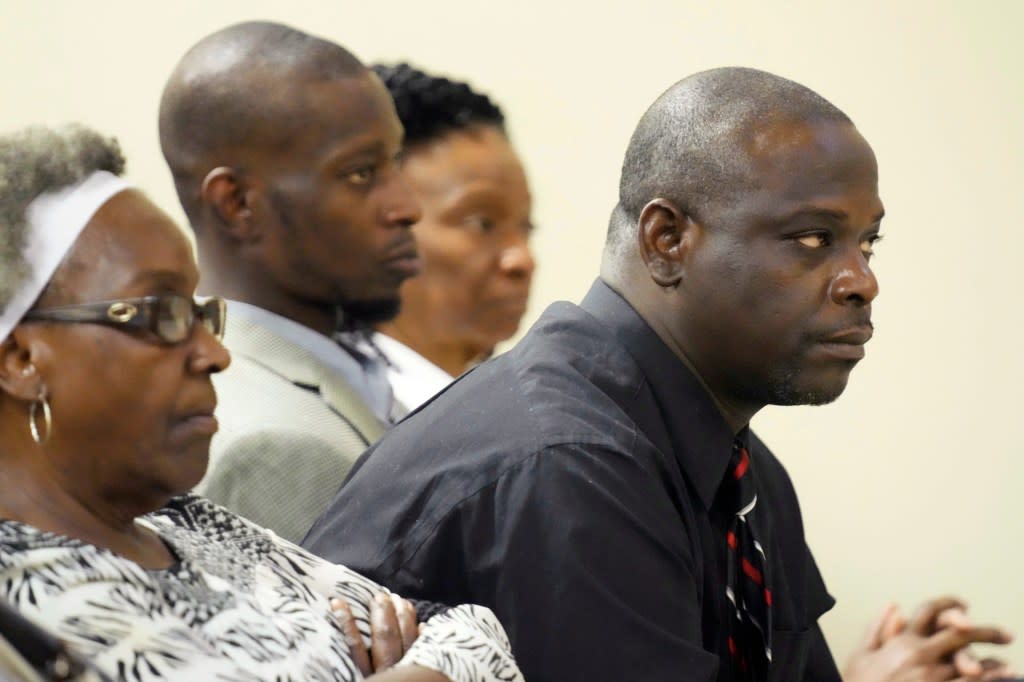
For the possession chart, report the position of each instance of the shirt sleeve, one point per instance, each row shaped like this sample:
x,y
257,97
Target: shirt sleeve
x,y
821,667
466,642
255,475
101,606
572,549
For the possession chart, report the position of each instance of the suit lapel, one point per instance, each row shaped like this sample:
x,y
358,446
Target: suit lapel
x,y
343,399
301,367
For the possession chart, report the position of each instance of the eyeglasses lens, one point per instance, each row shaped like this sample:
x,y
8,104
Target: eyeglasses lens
x,y
211,313
174,318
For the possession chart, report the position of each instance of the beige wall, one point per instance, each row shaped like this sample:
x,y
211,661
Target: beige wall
x,y
909,483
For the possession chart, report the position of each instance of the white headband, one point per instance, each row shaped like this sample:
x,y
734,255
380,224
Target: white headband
x,y
55,219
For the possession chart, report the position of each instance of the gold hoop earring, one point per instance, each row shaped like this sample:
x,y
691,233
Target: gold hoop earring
x,y
47,420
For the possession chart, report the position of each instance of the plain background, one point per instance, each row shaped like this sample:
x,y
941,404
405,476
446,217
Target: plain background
x,y
910,482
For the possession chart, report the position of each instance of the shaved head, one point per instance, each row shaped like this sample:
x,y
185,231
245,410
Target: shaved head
x,y
694,145
238,92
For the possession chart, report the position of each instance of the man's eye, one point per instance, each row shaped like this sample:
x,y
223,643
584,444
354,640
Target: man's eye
x,y
479,223
814,241
867,246
361,176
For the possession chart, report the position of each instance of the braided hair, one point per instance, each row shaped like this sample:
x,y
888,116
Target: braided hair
x,y
432,106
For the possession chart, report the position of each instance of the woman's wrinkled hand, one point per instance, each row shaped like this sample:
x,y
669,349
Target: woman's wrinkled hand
x,y
393,629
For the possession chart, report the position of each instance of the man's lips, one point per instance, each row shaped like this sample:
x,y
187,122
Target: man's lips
x,y
847,343
854,336
404,259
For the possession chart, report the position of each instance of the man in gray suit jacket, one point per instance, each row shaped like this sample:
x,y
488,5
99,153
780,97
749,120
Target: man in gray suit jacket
x,y
284,150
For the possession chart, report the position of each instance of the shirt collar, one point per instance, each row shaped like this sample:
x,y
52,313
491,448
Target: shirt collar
x,y
700,438
323,348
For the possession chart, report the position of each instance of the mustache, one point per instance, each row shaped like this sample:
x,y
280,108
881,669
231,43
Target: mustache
x,y
858,322
402,244
855,329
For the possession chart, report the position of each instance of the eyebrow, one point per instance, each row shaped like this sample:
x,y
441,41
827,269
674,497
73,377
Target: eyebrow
x,y
830,213
352,148
472,193
359,145
172,278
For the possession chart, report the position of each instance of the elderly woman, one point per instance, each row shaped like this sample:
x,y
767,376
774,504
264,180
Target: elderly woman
x,y
473,236
106,415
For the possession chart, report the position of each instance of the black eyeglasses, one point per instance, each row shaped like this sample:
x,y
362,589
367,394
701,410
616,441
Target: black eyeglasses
x,y
170,316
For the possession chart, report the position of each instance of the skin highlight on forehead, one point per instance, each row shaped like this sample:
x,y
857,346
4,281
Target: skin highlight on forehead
x,y
796,161
355,130
769,139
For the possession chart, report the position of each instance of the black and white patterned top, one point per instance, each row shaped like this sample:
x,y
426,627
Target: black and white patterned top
x,y
240,604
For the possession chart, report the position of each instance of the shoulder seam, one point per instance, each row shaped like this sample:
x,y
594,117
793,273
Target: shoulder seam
x,y
455,506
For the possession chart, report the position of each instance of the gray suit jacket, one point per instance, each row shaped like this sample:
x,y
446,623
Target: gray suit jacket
x,y
290,429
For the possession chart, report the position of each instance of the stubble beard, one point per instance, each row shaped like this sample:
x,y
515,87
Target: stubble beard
x,y
355,313
784,387
369,312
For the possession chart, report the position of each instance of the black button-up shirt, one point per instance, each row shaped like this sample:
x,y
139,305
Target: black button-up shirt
x,y
570,485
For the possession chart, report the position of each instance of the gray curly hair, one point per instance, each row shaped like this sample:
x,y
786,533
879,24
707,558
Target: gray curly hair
x,y
35,161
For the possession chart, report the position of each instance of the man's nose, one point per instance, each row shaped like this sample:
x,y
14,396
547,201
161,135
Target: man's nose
x,y
854,282
400,206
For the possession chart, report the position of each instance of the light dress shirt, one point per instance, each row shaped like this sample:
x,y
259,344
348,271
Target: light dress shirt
x,y
374,392
413,378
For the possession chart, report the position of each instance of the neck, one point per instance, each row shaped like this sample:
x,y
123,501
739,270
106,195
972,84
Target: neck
x,y
651,306
30,492
32,496
238,280
736,415
453,357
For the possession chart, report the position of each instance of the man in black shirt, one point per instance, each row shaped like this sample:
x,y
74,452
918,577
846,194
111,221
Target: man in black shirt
x,y
583,485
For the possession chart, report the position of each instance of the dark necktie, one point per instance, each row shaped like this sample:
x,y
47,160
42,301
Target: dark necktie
x,y
375,388
747,587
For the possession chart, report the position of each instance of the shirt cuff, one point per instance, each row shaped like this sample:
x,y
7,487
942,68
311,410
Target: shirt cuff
x,y
466,643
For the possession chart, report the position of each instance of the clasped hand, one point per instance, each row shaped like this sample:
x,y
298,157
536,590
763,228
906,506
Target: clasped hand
x,y
931,646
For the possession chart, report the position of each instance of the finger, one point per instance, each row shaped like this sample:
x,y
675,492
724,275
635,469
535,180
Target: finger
x,y
953,618
356,646
944,642
923,622
966,664
942,672
873,636
406,622
894,625
995,669
386,635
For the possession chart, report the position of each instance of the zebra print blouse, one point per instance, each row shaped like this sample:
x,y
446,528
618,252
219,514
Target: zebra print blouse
x,y
239,604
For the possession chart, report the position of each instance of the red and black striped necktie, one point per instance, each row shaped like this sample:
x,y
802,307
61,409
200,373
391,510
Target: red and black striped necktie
x,y
747,586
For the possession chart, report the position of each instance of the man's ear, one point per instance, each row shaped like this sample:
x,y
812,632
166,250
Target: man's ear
x,y
224,191
19,376
665,234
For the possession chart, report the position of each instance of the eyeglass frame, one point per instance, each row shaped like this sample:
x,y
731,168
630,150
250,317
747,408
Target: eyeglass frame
x,y
139,313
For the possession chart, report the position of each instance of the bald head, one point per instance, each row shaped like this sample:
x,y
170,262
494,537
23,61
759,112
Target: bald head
x,y
694,145
236,93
